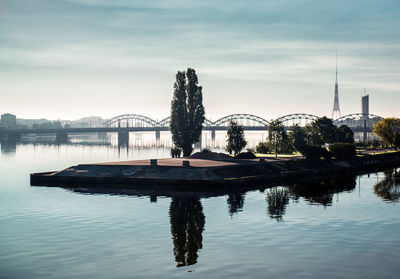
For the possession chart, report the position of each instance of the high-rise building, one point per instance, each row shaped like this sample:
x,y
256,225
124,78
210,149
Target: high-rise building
x,y
365,105
365,114
336,108
8,121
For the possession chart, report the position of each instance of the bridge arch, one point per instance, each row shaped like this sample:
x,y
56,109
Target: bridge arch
x,y
250,120
356,120
358,116
208,122
300,119
131,120
165,122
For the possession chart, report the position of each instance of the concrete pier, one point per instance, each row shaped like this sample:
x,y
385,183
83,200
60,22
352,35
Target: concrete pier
x,y
123,138
62,136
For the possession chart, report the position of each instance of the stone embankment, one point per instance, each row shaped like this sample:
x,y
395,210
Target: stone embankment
x,y
211,173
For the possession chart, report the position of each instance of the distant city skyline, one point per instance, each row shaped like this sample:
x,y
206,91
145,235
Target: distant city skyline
x,y
68,59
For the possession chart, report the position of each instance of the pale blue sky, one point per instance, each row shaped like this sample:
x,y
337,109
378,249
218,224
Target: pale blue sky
x,y
70,59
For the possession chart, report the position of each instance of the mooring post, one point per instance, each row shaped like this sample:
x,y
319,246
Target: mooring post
x,y
153,198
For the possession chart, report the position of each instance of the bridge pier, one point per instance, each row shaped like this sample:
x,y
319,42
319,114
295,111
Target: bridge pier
x,y
62,136
14,137
158,136
8,146
213,136
123,138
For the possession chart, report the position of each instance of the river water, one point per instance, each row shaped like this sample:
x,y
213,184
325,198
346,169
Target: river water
x,y
345,228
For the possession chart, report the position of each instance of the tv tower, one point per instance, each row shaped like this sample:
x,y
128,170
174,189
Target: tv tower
x,y
336,108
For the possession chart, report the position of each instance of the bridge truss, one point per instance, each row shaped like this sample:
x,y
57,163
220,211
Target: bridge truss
x,y
165,122
354,120
301,119
358,120
131,120
243,119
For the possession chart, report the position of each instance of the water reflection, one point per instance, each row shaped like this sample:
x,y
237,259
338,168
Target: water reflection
x,y
8,147
235,202
389,188
187,219
187,225
322,191
277,200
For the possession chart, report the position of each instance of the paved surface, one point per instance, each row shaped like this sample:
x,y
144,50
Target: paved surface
x,y
195,162
178,162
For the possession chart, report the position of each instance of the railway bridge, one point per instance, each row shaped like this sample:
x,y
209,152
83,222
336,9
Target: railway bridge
x,y
123,124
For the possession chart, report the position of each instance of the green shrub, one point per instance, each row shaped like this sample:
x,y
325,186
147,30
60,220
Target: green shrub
x,y
176,152
263,148
206,150
374,144
369,144
316,152
326,154
344,151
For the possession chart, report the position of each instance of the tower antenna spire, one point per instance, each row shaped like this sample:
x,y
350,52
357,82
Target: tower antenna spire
x,y
336,109
336,65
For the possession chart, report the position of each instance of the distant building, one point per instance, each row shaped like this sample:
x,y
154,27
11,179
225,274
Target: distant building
x,y
365,106
365,114
8,121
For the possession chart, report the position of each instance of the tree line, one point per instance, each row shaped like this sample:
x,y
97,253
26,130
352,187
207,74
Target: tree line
x,y
306,140
187,118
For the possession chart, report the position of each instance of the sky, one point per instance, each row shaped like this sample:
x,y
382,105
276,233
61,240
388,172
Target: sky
x,y
67,59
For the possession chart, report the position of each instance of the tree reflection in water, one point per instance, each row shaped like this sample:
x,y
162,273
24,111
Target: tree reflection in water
x,y
277,200
187,225
322,191
235,202
389,188
187,218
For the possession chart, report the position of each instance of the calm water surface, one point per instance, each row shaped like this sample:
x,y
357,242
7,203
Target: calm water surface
x,y
348,228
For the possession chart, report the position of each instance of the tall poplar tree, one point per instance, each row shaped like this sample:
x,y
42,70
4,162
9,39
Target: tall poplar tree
x,y
187,111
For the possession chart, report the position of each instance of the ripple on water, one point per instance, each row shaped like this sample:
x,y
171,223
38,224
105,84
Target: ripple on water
x,y
57,233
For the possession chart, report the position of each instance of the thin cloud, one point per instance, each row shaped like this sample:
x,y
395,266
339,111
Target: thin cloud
x,y
258,47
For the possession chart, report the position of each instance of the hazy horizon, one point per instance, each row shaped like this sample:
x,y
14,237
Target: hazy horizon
x,y
68,59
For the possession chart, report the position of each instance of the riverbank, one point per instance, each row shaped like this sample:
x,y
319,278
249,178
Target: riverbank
x,y
186,173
